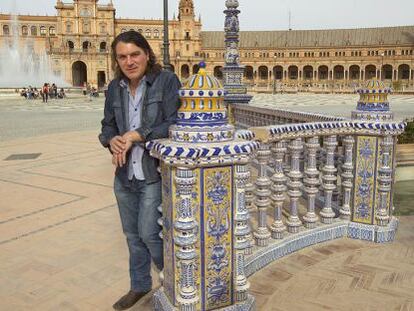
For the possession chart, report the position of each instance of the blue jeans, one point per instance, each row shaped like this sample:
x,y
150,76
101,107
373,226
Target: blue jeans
x,y
138,205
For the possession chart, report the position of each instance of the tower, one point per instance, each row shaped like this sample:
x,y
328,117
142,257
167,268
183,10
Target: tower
x,y
186,9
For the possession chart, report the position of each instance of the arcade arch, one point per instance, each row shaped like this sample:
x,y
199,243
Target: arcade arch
x,y
323,72
354,72
308,72
79,73
403,72
293,72
248,72
278,72
339,72
218,72
370,72
185,71
263,72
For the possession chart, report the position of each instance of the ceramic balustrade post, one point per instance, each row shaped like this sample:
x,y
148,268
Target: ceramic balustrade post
x,y
249,198
185,239
385,182
347,177
262,192
241,232
294,184
278,190
311,181
286,160
329,178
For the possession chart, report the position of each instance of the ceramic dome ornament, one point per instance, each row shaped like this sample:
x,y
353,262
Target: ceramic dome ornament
x,y
202,117
373,103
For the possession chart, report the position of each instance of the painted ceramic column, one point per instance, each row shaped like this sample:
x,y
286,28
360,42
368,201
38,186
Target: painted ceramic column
x,y
311,181
294,184
278,190
262,233
329,178
241,232
185,240
236,91
384,181
347,176
205,217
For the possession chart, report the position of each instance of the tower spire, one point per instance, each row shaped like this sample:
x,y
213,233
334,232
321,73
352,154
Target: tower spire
x,y
186,9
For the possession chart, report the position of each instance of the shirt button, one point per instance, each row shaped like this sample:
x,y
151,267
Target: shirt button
x,y
136,109
135,162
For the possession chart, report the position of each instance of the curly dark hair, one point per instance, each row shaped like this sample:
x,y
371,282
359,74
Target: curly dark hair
x,y
139,40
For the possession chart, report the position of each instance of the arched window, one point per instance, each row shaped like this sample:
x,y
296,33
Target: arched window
x,y
43,31
156,33
25,31
71,45
52,31
102,46
33,31
148,33
6,30
85,46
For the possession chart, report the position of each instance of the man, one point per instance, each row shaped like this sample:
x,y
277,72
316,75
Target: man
x,y
141,105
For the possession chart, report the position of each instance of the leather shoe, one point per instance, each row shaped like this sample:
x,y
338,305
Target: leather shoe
x,y
128,300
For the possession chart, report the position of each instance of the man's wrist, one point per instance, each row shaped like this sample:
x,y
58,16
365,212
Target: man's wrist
x,y
133,136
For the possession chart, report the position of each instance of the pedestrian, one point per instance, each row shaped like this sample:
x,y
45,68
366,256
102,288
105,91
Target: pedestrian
x,y
54,91
45,92
141,105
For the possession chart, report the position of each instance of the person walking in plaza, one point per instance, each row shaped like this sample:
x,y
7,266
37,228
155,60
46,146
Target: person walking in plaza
x,y
141,105
45,92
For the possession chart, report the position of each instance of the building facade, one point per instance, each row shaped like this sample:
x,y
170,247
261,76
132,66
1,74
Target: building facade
x,y
78,40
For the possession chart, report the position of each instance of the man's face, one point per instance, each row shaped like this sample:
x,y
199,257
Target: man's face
x,y
132,60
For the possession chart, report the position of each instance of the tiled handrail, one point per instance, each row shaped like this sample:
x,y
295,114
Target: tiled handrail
x,y
247,116
288,131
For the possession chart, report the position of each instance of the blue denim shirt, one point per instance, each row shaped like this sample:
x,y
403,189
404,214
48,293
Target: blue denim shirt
x,y
159,110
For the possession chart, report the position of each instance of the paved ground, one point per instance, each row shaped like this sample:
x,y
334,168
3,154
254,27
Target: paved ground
x,y
332,104
61,245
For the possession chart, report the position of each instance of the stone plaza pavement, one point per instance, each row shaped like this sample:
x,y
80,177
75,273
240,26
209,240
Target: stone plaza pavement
x,y
62,248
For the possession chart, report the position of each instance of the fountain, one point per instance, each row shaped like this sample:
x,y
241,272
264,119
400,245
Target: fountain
x,y
20,65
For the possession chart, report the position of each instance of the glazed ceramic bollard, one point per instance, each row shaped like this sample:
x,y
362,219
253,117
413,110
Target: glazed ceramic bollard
x,y
205,230
372,199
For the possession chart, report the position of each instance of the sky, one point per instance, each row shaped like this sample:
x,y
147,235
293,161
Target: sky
x,y
257,14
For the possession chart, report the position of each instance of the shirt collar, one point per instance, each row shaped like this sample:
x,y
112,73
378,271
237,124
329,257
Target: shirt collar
x,y
125,84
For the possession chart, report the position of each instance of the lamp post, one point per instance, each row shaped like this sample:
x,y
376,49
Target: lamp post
x,y
166,56
382,66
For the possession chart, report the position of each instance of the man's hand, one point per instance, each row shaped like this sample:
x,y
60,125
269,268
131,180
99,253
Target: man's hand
x,y
117,144
130,138
117,159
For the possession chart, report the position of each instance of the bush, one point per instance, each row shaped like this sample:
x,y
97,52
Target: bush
x,y
408,136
